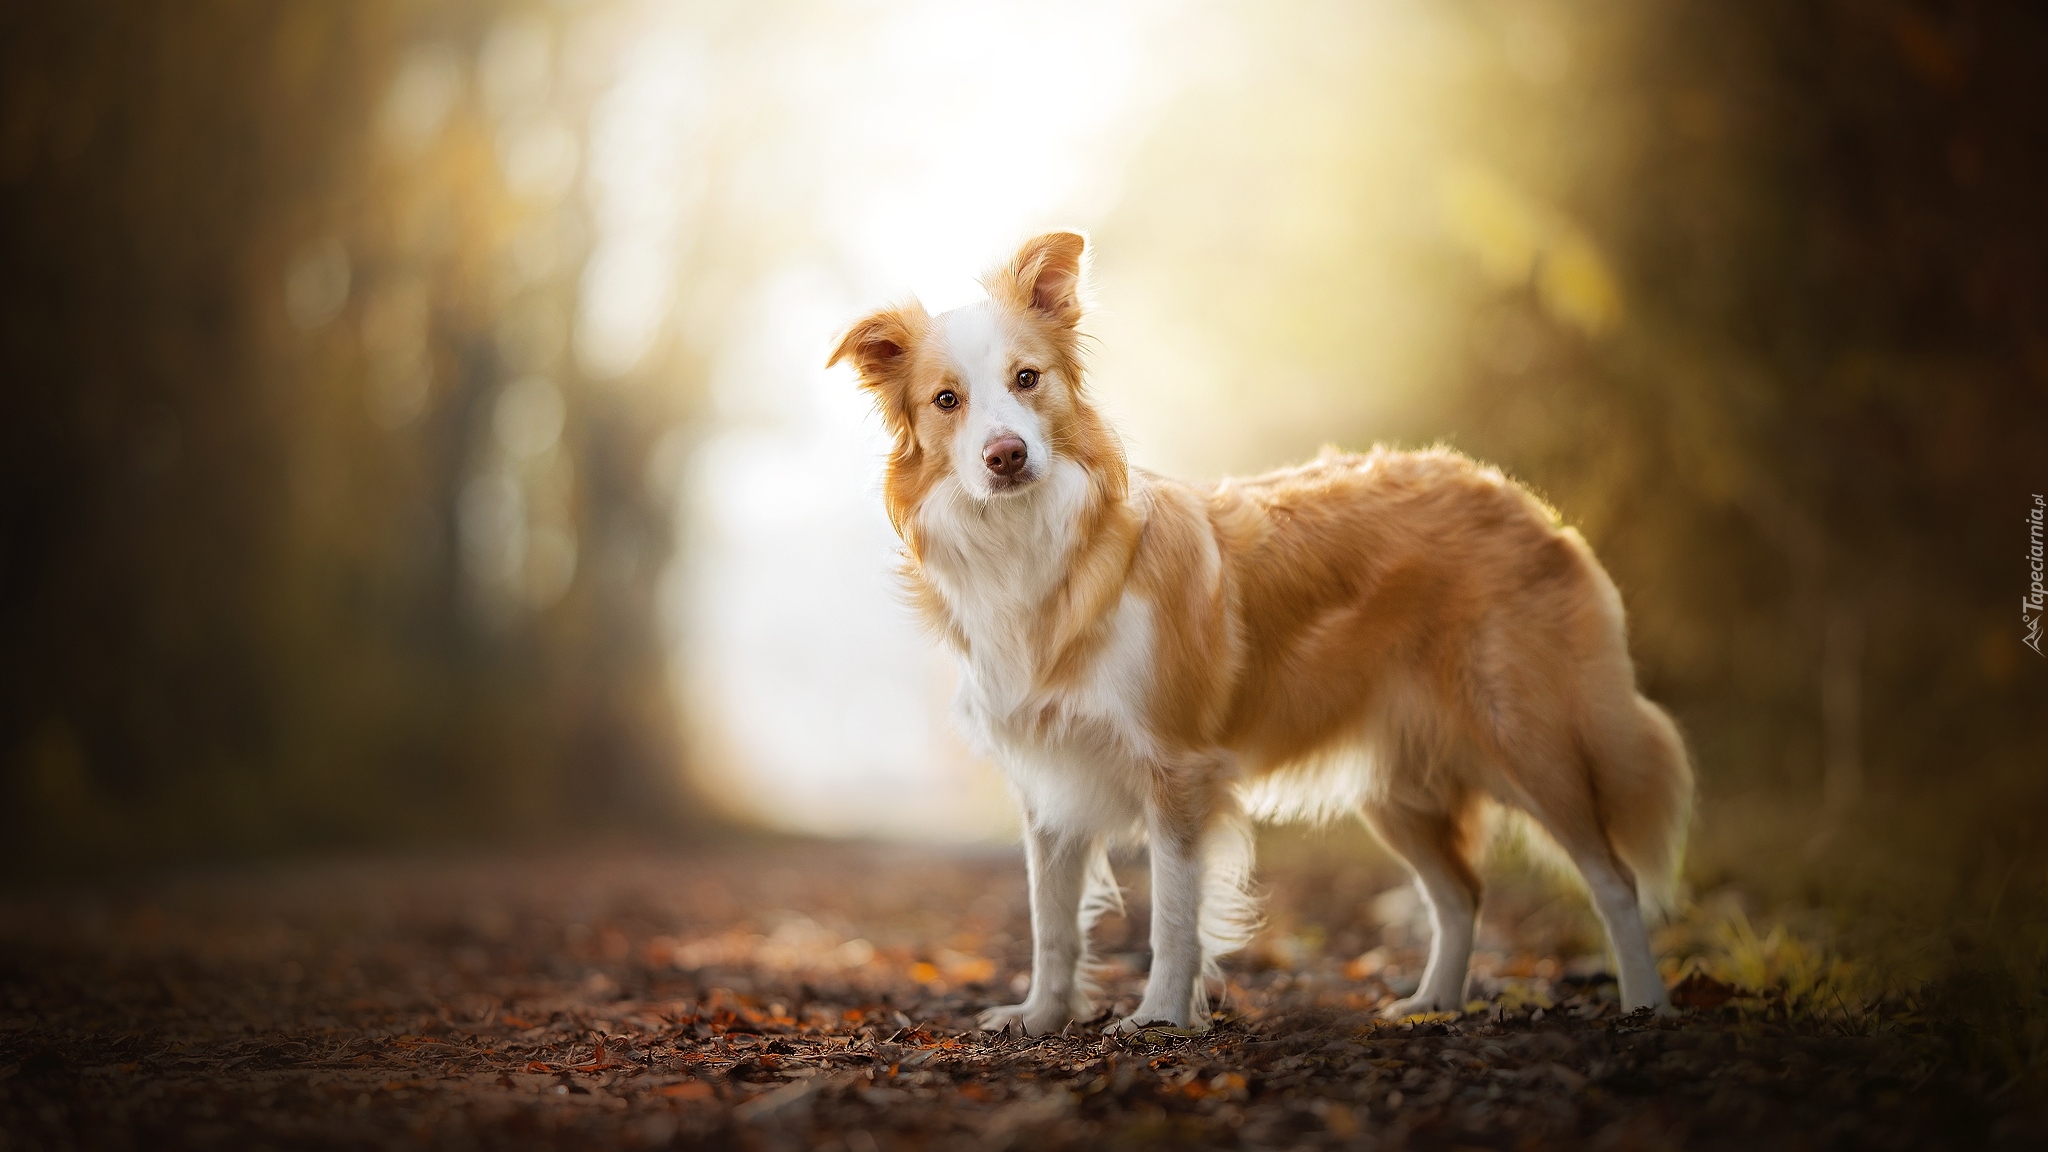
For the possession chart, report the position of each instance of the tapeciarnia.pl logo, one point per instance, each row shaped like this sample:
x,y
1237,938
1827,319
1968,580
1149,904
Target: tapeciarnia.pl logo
x,y
2032,603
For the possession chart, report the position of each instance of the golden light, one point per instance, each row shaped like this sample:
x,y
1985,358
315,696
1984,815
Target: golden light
x,y
1295,215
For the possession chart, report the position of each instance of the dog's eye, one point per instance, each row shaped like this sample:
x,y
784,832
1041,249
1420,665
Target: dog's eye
x,y
1027,378
947,399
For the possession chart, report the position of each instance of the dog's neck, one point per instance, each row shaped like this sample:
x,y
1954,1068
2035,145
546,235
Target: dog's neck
x,y
1001,556
1025,574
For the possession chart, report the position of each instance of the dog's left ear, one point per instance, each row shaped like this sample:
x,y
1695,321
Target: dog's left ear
x,y
1047,277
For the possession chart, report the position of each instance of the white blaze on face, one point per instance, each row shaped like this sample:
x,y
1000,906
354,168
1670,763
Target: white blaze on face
x,y
991,409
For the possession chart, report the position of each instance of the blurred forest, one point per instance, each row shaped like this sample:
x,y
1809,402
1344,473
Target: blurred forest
x,y
1757,295
313,533
324,519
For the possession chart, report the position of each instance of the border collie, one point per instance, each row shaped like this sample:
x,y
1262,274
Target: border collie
x,y
1405,635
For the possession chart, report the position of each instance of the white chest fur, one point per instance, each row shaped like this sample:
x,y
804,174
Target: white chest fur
x,y
1078,754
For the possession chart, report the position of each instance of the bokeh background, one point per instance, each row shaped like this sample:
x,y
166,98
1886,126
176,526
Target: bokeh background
x,y
415,430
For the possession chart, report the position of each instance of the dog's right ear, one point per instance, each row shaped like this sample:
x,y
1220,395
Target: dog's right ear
x,y
880,345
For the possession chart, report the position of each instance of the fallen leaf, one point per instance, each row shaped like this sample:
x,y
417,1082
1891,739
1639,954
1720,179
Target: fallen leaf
x,y
1700,990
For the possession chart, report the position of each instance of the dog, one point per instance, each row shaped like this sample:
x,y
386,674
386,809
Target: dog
x,y
1409,636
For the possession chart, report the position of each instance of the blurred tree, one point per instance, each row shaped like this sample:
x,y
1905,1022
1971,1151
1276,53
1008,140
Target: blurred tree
x,y
313,532
1808,453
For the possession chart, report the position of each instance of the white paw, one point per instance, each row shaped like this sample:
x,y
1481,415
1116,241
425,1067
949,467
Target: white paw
x,y
1031,1019
1141,1019
1415,1006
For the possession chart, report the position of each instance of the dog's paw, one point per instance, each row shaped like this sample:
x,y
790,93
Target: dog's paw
x,y
1140,1021
1417,1005
1030,1019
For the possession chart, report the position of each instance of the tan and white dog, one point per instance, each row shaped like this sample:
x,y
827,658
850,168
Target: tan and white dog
x,y
1406,635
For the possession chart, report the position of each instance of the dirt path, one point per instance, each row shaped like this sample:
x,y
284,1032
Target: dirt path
x,y
820,996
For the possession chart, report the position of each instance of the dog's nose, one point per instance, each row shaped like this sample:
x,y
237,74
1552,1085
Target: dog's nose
x,y
1004,457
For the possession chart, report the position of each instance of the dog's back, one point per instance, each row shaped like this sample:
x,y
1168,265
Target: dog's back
x,y
1430,621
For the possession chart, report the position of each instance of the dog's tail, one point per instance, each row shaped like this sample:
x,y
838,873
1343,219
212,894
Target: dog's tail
x,y
1645,788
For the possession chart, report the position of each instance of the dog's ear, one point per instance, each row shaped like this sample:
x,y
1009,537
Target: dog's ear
x,y
881,348
880,345
1047,276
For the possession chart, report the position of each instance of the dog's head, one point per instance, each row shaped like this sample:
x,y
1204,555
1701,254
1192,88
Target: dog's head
x,y
987,396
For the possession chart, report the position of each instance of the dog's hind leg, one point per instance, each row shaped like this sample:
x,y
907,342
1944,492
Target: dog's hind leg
x,y
1614,897
1591,808
1434,846
1059,863
1571,816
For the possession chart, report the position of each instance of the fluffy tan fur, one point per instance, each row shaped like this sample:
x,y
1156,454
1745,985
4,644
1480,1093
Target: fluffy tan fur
x,y
1414,619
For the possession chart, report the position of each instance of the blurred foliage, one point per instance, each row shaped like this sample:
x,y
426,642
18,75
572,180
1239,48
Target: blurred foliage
x,y
1808,456
1755,294
312,532
1717,939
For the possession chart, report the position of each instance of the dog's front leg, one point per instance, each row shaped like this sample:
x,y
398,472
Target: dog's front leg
x,y
1173,993
1059,871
